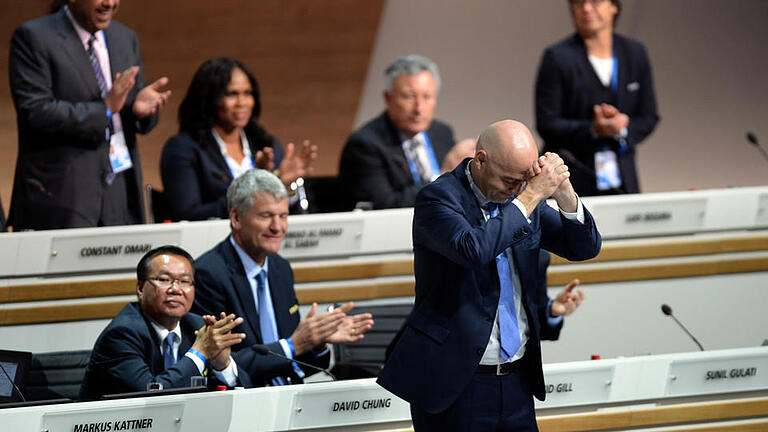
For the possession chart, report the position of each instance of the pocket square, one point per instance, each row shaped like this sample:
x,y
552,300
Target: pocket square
x,y
633,86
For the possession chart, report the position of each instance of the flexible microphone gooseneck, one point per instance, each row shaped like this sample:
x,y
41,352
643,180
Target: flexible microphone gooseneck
x,y
264,350
752,138
23,399
668,311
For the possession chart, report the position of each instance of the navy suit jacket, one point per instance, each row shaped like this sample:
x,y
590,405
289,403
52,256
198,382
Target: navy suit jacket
x,y
63,155
196,177
457,287
566,90
222,286
127,357
374,167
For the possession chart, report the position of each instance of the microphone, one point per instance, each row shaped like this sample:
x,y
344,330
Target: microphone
x,y
668,311
264,350
571,159
752,138
23,399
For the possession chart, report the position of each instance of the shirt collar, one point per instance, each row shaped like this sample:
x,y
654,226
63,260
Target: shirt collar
x,y
162,332
404,138
481,199
82,33
252,268
223,147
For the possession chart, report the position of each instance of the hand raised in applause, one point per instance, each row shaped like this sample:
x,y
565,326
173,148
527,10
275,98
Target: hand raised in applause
x,y
353,327
121,85
567,300
151,99
215,338
315,329
297,162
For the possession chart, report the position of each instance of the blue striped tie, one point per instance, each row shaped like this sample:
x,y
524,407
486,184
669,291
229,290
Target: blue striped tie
x,y
509,331
168,358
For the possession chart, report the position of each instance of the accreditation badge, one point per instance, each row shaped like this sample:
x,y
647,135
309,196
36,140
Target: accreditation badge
x,y
607,170
119,157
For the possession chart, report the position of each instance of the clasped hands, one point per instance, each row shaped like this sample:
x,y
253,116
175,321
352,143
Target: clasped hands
x,y
336,326
215,337
549,176
608,120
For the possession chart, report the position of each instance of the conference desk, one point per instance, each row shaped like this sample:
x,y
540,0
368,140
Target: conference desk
x,y
105,250
577,387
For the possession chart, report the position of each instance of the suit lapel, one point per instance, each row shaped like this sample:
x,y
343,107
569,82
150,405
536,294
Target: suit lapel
x,y
468,200
391,137
242,288
73,47
214,153
155,357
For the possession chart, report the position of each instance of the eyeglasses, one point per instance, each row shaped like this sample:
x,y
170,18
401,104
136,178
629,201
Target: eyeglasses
x,y
164,282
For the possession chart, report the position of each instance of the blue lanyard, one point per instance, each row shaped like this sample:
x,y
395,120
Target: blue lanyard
x,y
615,75
432,161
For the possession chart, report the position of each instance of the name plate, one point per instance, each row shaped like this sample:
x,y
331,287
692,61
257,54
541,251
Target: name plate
x,y
761,219
722,375
580,387
103,252
631,219
153,418
336,237
329,408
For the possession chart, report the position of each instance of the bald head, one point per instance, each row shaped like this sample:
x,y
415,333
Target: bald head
x,y
510,143
505,152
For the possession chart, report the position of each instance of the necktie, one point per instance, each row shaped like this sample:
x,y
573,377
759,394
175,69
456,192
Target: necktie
x,y
417,155
267,322
509,332
97,67
168,358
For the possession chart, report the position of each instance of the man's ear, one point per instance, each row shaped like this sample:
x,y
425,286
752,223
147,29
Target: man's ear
x,y
481,157
234,218
139,289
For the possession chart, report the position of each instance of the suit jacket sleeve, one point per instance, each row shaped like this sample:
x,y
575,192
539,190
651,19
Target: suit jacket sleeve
x,y
440,224
122,358
643,119
38,107
551,90
181,169
542,300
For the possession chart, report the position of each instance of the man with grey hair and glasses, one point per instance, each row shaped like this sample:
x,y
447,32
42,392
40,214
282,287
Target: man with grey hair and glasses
x,y
388,160
245,275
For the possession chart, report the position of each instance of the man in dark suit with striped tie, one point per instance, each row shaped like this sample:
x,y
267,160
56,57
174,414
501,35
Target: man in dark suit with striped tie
x,y
78,87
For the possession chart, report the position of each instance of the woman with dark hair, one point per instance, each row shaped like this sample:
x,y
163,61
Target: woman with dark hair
x,y
219,139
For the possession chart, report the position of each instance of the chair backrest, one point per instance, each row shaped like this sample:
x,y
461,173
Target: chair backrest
x,y
365,358
159,209
56,375
325,195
